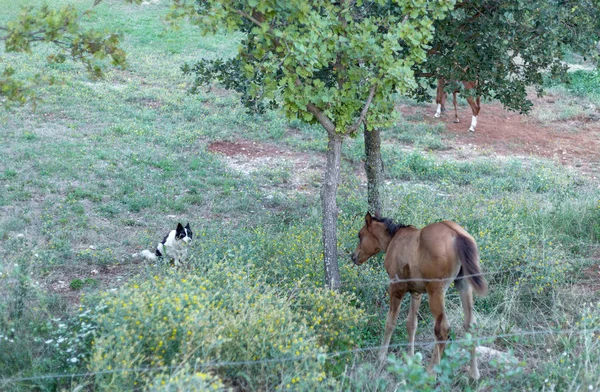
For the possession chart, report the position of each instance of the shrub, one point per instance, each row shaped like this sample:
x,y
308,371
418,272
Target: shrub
x,y
186,379
71,339
263,339
76,284
450,374
290,254
335,324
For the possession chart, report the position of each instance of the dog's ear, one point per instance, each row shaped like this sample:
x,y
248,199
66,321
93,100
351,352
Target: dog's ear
x,y
188,226
179,227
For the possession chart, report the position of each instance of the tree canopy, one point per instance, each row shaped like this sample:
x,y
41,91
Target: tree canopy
x,y
62,28
317,58
508,45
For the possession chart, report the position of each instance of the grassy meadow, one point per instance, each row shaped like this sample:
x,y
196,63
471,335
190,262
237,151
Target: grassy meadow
x,y
104,168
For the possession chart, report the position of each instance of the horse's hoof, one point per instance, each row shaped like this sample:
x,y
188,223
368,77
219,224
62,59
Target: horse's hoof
x,y
474,374
456,120
437,115
381,362
471,130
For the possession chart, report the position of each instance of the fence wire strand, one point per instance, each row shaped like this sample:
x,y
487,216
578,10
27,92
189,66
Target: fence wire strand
x,y
314,355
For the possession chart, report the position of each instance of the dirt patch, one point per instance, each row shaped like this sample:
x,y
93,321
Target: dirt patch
x,y
591,279
151,103
249,157
247,148
146,102
107,277
591,275
574,142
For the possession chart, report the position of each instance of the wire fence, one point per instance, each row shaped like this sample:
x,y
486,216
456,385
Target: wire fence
x,y
332,355
397,280
321,356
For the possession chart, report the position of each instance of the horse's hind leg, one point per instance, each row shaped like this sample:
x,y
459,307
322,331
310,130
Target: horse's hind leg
x,y
390,323
442,328
466,298
411,321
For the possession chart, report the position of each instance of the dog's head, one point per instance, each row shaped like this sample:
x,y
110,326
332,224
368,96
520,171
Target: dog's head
x,y
184,233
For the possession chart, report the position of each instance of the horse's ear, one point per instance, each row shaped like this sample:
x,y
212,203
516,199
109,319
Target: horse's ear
x,y
377,214
368,219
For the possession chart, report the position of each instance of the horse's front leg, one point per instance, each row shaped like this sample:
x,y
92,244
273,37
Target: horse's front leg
x,y
396,296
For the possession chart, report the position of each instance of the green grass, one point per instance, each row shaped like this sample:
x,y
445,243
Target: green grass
x,y
105,168
578,99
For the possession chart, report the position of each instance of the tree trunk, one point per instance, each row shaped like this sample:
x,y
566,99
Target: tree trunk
x,y
374,169
330,210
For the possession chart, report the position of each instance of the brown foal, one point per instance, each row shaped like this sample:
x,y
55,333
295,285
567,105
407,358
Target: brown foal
x,y
424,261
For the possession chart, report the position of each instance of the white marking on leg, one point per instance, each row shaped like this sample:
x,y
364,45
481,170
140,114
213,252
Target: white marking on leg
x,y
473,124
438,112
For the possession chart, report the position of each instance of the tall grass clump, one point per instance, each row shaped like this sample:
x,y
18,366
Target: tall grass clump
x,y
572,356
25,325
585,83
528,218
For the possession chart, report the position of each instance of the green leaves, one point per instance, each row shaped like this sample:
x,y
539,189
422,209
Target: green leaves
x,y
508,45
321,53
61,28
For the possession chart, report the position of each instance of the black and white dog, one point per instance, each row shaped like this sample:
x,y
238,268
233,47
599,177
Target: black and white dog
x,y
173,246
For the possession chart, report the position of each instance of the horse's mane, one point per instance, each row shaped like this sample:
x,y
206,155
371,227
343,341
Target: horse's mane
x,y
391,227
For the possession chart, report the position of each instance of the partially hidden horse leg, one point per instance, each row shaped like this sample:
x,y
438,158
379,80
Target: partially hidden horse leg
x,y
390,323
456,120
440,98
466,298
474,104
442,327
411,321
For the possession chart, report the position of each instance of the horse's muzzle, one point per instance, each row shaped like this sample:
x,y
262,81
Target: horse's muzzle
x,y
354,259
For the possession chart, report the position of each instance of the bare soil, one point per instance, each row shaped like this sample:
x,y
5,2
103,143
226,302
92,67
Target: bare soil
x,y
247,149
574,142
109,277
248,156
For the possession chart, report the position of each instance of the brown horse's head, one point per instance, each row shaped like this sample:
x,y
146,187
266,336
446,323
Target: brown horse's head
x,y
368,243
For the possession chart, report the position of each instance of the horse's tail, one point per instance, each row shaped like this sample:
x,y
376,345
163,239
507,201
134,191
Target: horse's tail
x,y
469,258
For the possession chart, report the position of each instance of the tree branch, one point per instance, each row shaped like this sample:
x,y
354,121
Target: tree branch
x,y
249,17
318,113
365,109
321,117
424,74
